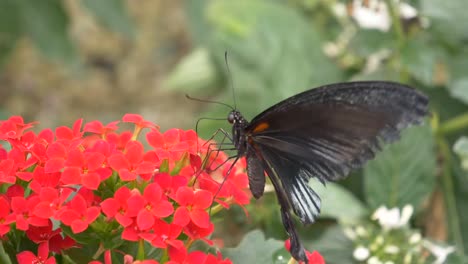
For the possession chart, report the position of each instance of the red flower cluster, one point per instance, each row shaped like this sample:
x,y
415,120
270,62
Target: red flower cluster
x,y
73,186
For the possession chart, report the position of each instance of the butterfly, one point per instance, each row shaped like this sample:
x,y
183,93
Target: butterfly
x,y
322,133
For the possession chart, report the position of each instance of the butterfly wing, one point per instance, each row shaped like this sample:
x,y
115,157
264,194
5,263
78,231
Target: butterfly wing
x,y
324,133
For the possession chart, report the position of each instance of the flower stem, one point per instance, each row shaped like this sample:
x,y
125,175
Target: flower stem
x,y
450,200
136,132
215,209
99,252
397,27
141,250
454,124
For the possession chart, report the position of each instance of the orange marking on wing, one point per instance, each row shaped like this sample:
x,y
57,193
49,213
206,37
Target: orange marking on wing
x,y
261,127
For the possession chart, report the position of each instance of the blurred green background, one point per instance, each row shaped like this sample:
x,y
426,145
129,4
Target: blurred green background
x,y
100,59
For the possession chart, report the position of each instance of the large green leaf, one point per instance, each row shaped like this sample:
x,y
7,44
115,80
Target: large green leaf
x,y
404,173
339,203
367,42
46,22
254,248
420,56
9,28
458,85
447,18
194,74
113,14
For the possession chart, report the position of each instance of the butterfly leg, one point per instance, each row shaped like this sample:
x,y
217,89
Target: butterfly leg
x,y
210,150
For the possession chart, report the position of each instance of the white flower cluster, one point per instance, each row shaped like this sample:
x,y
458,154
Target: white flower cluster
x,y
392,241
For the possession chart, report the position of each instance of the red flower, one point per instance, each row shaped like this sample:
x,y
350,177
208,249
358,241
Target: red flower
x,y
119,140
155,206
53,237
13,128
56,154
312,257
164,235
132,162
170,184
192,207
98,128
129,260
51,202
27,257
85,169
171,144
40,179
195,232
138,121
70,137
77,215
117,207
22,210
5,217
7,171
132,232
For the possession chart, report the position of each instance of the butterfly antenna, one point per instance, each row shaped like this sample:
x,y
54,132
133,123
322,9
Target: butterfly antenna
x,y
230,79
208,101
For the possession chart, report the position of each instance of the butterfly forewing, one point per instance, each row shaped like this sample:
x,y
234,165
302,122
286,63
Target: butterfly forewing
x,y
330,130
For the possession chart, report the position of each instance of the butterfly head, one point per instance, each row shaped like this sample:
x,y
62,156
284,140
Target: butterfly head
x,y
235,118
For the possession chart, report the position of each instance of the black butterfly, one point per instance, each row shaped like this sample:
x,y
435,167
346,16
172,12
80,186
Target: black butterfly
x,y
321,133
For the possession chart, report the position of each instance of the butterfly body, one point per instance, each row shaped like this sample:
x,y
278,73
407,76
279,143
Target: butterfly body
x,y
322,133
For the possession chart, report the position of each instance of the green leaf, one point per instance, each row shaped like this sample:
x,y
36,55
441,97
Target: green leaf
x,y
112,14
367,42
195,74
339,203
458,79
334,246
447,18
404,172
459,89
46,22
420,56
254,248
10,28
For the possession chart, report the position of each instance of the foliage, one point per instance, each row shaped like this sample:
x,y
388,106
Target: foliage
x,y
276,49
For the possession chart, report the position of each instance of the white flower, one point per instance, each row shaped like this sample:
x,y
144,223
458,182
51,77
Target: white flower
x,y
375,15
415,238
349,232
361,253
406,214
392,249
391,218
374,260
439,252
361,231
